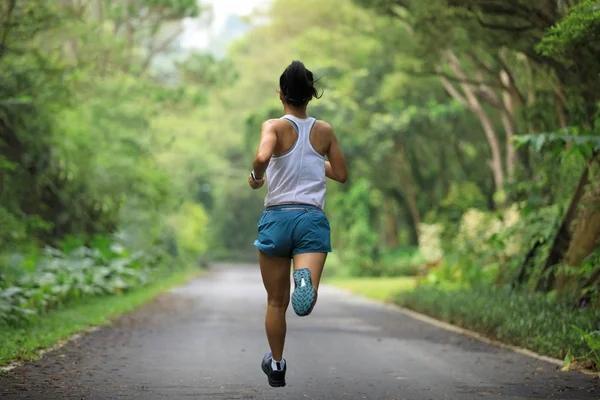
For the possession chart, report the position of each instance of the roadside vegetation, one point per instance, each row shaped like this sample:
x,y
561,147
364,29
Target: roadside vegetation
x,y
471,130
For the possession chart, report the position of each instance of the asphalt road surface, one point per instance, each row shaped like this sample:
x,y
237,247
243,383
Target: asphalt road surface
x,y
205,340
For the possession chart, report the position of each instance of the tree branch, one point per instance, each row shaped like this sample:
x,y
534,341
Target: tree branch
x,y
453,92
407,25
486,123
490,96
451,78
482,65
161,47
511,84
500,27
512,10
529,73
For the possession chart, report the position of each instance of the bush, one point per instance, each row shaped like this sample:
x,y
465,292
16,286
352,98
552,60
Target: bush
x,y
60,277
535,321
387,262
430,242
400,262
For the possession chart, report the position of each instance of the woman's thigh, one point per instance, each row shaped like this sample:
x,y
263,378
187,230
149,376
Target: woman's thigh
x,y
275,273
314,262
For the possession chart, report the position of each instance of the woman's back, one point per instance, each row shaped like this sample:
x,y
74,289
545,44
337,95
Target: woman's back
x,y
296,172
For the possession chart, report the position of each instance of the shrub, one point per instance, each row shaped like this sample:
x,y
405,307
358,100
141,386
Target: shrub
x,y
430,242
60,277
535,321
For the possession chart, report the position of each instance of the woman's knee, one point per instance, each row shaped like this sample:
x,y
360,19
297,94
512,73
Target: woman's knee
x,y
278,301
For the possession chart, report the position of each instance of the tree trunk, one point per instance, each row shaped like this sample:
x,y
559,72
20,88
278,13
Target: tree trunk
x,y
471,101
560,111
411,199
589,287
563,238
587,230
444,172
508,120
391,225
527,264
413,228
585,240
495,163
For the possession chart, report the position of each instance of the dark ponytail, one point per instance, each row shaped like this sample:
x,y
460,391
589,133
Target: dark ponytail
x,y
297,85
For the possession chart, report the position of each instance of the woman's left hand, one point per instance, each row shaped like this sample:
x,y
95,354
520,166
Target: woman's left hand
x,y
255,185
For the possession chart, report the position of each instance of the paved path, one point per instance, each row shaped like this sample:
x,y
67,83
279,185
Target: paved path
x,y
205,340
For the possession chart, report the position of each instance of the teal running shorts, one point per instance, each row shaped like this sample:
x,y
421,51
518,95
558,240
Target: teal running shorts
x,y
287,230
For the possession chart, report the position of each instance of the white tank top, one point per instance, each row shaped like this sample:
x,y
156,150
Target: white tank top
x,y
298,175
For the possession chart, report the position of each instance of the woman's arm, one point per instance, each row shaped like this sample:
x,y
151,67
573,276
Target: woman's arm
x,y
329,171
268,140
335,168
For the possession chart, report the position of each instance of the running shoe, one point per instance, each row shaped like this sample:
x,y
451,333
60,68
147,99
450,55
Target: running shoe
x,y
276,378
304,296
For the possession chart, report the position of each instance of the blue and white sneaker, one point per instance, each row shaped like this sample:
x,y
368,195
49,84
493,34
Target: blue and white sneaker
x,y
304,296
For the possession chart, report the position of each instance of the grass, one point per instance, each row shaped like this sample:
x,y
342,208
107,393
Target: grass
x,y
24,343
382,289
536,321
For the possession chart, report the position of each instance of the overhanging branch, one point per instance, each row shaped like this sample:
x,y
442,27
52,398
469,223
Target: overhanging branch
x,y
160,48
450,78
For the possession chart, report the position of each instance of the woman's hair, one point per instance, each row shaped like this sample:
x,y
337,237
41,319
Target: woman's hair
x,y
297,84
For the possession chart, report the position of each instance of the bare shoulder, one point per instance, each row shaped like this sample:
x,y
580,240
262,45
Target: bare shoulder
x,y
271,123
324,127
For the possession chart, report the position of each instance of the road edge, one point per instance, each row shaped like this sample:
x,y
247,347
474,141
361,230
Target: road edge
x,y
463,331
41,353
7,368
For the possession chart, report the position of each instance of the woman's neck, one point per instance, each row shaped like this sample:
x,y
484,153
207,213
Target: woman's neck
x,y
296,112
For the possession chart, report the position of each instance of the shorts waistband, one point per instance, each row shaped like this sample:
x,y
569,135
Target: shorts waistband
x,y
292,206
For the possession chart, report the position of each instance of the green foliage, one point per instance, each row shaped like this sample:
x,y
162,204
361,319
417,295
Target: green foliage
x,y
535,321
490,248
592,341
572,142
568,37
430,242
105,131
354,234
23,343
400,262
205,70
61,277
190,227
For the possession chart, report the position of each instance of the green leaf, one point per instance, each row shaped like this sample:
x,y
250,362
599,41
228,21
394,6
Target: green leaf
x,y
557,148
586,151
539,142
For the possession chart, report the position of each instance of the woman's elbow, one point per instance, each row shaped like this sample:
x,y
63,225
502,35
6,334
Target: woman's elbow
x,y
262,159
342,178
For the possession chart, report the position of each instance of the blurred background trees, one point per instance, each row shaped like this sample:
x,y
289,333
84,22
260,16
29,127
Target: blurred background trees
x,y
470,130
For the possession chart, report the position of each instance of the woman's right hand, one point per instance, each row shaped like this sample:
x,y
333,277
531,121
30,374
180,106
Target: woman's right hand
x,y
253,184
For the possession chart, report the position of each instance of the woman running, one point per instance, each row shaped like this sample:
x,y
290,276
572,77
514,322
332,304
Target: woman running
x,y
293,226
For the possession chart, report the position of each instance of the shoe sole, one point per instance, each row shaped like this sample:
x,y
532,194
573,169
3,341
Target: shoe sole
x,y
271,382
303,298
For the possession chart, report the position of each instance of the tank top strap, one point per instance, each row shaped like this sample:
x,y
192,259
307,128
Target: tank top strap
x,y
309,123
292,120
301,126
